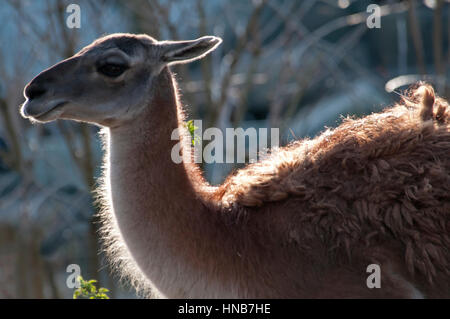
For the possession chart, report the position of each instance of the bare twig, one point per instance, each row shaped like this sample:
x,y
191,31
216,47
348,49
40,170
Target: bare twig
x,y
437,39
15,159
234,58
417,38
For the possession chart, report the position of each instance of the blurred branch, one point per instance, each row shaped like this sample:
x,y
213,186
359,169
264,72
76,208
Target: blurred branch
x,y
402,45
233,59
205,62
346,21
88,159
14,158
97,14
416,36
289,18
48,269
438,39
164,12
30,28
69,140
243,105
334,55
37,275
144,16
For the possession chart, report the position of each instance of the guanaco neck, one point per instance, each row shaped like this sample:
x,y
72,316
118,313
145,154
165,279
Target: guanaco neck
x,y
177,242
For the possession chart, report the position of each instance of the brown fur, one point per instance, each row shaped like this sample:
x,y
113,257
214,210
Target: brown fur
x,y
370,182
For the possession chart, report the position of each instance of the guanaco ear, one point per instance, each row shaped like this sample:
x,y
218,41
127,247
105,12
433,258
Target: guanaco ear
x,y
174,52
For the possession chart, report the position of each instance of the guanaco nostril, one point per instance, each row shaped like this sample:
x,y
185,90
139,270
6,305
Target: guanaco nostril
x,y
34,91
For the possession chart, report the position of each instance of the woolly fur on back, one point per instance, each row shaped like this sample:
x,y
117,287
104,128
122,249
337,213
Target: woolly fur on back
x,y
380,178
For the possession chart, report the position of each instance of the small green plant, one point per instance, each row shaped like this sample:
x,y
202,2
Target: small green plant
x,y
191,128
88,290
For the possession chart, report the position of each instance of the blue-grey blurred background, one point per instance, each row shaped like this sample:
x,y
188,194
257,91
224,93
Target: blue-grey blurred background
x,y
297,65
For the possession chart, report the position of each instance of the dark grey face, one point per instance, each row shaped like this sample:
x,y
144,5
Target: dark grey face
x,y
109,81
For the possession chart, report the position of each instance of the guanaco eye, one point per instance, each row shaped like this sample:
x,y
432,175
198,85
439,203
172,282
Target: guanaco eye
x,y
112,70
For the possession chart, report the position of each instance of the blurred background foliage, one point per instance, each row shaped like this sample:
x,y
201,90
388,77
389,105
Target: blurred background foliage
x,y
297,65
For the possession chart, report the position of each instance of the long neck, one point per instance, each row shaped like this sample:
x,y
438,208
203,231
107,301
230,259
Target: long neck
x,y
159,206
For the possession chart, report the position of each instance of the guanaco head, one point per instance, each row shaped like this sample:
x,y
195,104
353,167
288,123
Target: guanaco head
x,y
108,81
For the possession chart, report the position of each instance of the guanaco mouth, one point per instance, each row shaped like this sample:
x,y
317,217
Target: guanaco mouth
x,y
45,113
